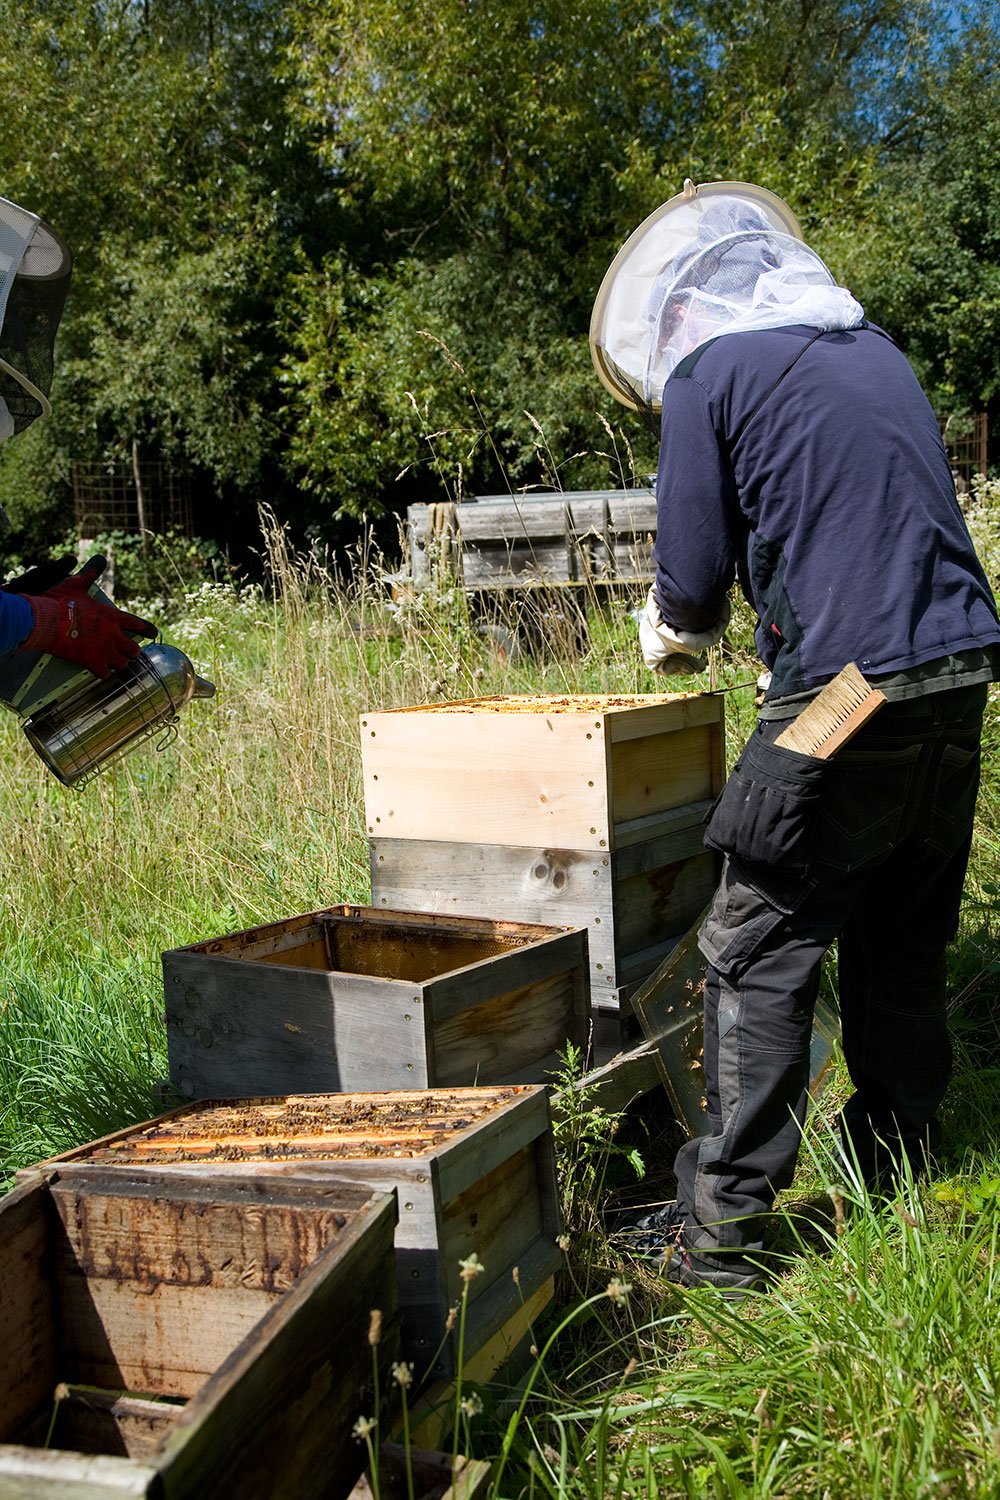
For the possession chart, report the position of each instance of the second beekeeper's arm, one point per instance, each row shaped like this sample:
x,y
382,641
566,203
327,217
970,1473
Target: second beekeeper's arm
x,y
46,610
687,609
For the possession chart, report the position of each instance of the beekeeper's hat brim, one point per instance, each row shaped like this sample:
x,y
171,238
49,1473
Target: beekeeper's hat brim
x,y
620,316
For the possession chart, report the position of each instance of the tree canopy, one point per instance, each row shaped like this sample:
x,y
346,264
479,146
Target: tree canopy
x,y
342,255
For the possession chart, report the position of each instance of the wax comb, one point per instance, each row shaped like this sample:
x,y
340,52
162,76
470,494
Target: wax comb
x,y
837,712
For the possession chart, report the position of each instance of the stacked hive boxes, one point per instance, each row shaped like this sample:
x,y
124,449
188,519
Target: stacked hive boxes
x,y
223,1259
473,1170
579,810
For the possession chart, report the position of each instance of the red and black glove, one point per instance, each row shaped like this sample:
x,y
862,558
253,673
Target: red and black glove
x,y
42,576
71,625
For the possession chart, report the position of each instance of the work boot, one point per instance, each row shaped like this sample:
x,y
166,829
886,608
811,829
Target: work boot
x,y
661,1236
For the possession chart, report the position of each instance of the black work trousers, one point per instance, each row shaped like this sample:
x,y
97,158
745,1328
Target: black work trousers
x,y
869,849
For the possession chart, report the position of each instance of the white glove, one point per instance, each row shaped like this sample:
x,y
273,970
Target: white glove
x,y
676,651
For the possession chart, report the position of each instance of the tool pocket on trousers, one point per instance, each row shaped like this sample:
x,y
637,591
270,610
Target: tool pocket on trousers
x,y
953,804
766,814
743,916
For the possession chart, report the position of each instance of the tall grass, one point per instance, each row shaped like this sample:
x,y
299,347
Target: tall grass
x,y
870,1370
252,813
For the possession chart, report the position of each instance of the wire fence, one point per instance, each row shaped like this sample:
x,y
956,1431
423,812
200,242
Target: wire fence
x,y
108,498
966,440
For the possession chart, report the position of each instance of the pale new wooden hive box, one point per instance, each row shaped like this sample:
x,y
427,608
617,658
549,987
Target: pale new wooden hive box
x,y
561,772
473,1169
582,810
178,1337
355,998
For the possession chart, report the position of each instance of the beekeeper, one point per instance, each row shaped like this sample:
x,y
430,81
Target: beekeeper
x,y
45,609
799,455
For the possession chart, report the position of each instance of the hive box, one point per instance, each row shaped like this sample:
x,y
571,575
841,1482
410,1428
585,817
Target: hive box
x,y
578,810
353,998
188,1337
499,543
434,1475
473,1169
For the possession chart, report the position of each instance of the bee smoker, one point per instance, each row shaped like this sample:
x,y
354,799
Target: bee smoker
x,y
76,735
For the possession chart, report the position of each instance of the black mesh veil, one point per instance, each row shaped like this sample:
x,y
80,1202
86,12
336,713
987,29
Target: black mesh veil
x,y
36,266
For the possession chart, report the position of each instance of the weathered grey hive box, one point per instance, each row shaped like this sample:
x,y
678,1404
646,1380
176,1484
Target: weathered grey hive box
x,y
434,1475
581,810
355,998
473,1169
503,542
178,1337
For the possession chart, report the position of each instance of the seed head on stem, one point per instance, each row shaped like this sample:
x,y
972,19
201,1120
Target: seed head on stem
x,y
471,1268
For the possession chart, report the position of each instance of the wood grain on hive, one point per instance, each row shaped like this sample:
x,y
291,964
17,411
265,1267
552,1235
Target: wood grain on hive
x,y
183,1337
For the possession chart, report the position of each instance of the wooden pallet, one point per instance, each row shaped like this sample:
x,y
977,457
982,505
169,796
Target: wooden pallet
x,y
507,543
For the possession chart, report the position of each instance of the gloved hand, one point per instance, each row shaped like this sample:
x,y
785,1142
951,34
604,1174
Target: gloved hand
x,y
71,625
41,577
676,651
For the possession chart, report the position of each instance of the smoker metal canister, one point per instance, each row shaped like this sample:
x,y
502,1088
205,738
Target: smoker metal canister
x,y
77,736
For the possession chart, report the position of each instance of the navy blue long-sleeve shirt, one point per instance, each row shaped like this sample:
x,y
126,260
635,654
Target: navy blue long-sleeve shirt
x,y
829,494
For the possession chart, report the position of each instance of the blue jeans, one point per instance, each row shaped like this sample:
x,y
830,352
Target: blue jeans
x,y
868,849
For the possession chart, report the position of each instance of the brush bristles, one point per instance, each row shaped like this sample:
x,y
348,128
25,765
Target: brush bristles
x,y
833,716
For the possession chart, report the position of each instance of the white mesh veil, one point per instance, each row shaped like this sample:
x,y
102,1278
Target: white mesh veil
x,y
725,258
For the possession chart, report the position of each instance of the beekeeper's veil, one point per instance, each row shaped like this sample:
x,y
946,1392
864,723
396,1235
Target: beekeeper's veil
x,y
35,269
723,258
